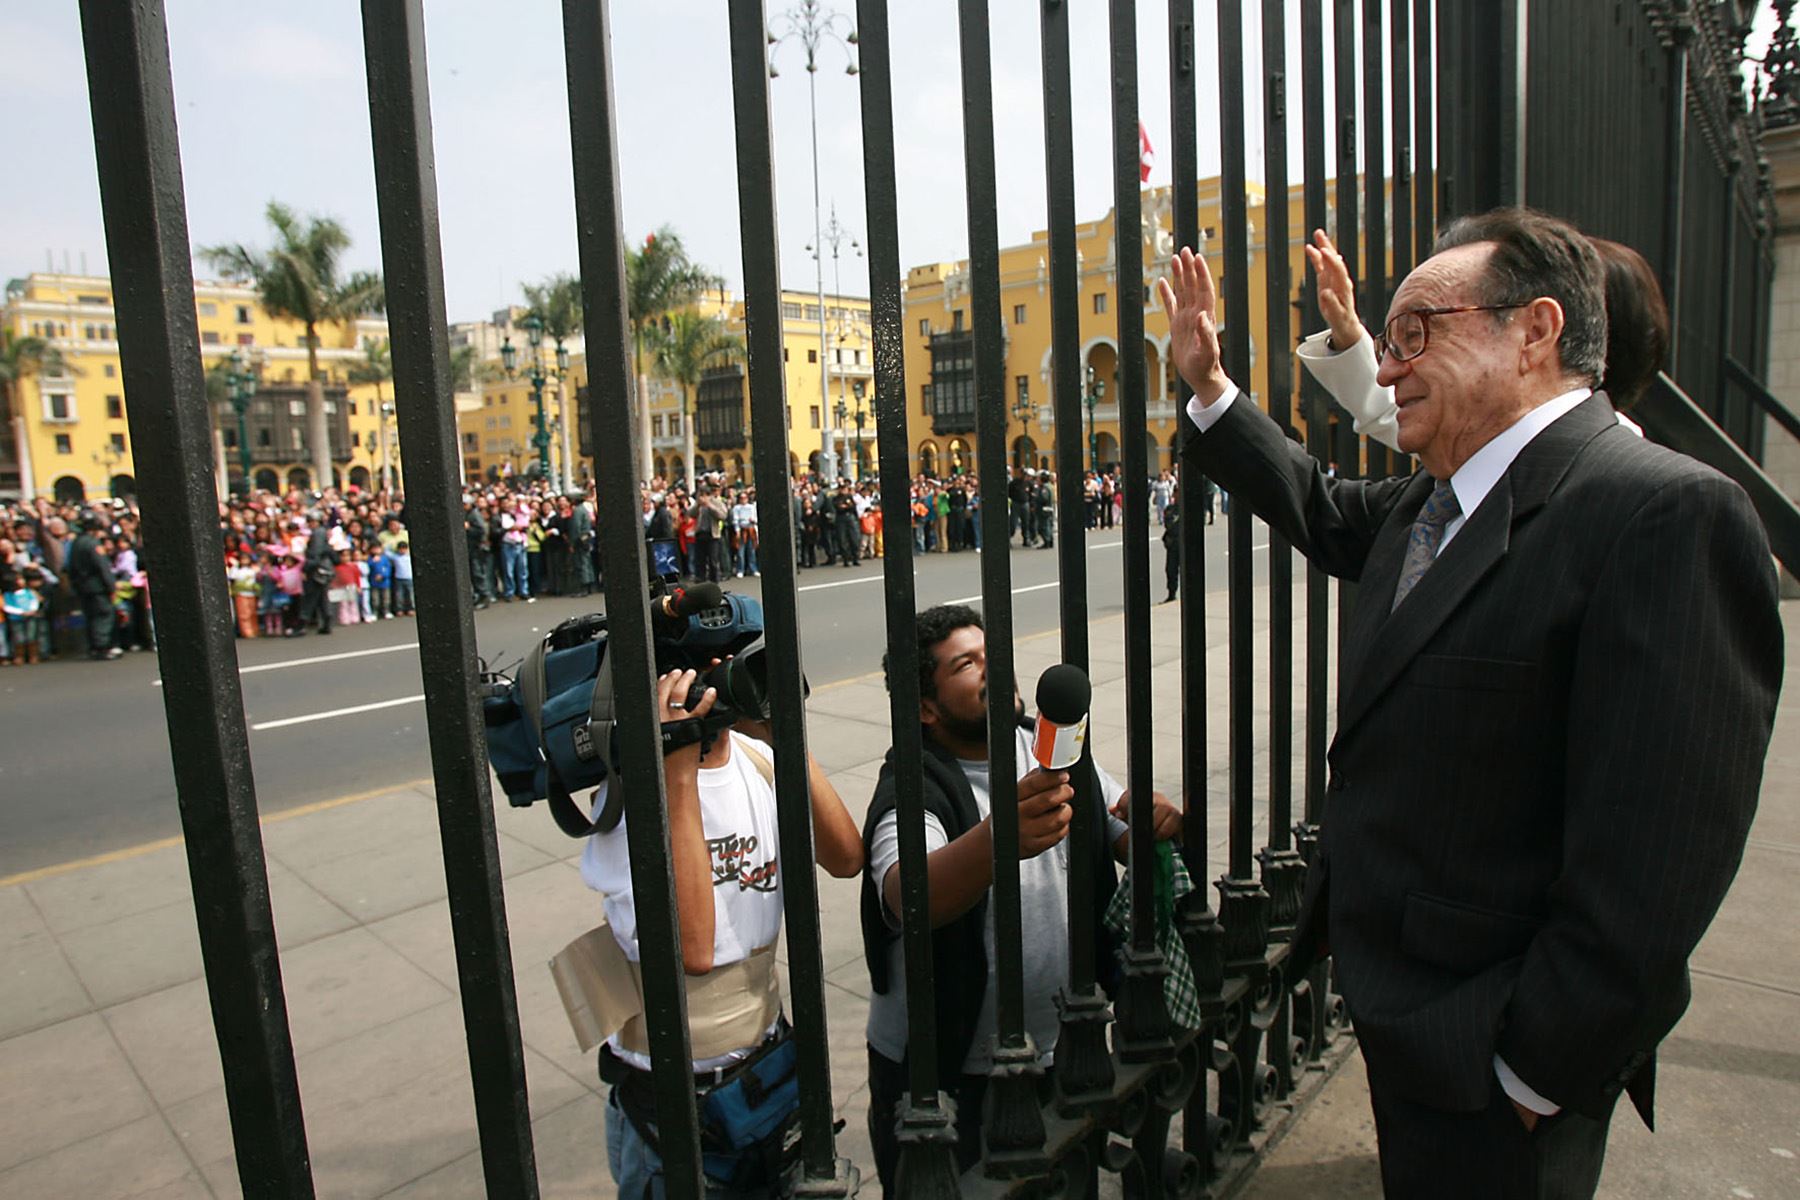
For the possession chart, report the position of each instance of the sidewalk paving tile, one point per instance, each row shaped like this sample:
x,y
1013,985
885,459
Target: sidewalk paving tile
x,y
139,1161
382,1108
38,987
571,1161
156,948
336,988
99,894
64,1083
840,742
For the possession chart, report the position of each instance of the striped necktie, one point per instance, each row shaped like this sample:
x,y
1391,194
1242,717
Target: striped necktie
x,y
1426,535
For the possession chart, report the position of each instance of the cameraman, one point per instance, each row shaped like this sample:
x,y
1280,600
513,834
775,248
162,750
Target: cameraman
x,y
726,846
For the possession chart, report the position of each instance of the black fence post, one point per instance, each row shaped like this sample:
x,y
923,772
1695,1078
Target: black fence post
x,y
611,414
138,154
926,1122
400,122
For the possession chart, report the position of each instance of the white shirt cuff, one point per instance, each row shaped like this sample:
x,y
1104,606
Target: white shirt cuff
x,y
1205,416
1522,1092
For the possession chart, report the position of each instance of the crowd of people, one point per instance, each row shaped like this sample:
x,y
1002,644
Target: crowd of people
x,y
300,561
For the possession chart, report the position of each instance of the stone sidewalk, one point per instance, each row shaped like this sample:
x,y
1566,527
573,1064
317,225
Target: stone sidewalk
x,y
114,1084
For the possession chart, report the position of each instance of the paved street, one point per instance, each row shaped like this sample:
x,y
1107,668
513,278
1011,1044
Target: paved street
x,y
84,755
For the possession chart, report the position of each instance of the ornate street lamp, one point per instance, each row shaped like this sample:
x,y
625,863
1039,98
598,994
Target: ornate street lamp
x,y
859,388
537,373
1022,409
240,377
812,25
1096,391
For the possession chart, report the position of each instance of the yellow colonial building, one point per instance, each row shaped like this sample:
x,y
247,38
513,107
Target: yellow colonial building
x,y
67,435
940,341
497,426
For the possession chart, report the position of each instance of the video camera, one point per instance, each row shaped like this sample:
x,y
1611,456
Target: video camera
x,y
551,726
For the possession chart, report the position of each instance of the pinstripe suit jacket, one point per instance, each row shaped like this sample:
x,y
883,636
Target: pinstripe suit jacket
x,y
1547,758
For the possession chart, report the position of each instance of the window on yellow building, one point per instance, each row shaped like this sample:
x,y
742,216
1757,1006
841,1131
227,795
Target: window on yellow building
x,y
59,406
111,370
246,339
115,408
209,310
265,437
209,337
815,416
1018,314
956,321
118,442
356,439
88,332
243,314
1099,303
924,326
812,356
784,356
63,445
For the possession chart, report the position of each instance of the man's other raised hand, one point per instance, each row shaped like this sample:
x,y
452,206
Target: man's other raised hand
x,y
1192,302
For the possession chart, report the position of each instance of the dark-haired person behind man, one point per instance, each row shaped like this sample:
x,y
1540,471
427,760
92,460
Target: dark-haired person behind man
x,y
953,680
1559,683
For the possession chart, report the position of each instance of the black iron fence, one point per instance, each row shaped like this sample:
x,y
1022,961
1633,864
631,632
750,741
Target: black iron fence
x,y
1458,110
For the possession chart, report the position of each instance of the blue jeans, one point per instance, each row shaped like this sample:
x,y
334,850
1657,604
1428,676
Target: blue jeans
x,y
637,1169
512,570
746,555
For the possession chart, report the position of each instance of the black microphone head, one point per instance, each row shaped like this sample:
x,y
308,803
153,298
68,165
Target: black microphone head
x,y
1064,694
699,598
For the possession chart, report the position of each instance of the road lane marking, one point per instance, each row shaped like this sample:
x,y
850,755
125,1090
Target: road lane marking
x,y
1036,587
336,712
319,658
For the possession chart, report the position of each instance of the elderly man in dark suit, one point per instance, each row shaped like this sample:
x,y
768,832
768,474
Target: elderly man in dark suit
x,y
1558,688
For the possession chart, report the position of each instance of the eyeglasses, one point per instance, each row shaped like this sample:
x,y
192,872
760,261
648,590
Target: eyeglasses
x,y
1407,334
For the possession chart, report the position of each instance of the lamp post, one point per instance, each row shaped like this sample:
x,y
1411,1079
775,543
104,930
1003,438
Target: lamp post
x,y
1096,391
539,375
241,378
861,413
1022,409
384,411
812,25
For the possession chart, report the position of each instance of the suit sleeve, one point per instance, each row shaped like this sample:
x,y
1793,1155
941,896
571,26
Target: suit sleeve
x,y
1671,702
1350,377
1331,521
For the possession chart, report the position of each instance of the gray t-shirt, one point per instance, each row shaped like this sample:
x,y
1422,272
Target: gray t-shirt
x,y
1043,903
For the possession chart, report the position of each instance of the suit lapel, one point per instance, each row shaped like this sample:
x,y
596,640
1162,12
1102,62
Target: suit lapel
x,y
1387,642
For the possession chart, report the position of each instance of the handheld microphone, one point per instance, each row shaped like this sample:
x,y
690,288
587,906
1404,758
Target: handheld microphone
x,y
1064,696
682,603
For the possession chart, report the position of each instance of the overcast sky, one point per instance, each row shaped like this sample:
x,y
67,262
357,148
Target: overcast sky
x,y
272,103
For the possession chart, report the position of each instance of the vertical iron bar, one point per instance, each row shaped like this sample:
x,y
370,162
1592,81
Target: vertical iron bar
x,y
611,414
1726,412
1374,281
1084,1065
1348,451
1280,865
1675,172
400,125
1014,1124
1243,905
1400,97
1453,138
138,153
1318,422
927,1131
1424,156
759,236
1143,1014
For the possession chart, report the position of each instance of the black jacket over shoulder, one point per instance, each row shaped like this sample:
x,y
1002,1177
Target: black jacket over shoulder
x,y
1547,758
959,962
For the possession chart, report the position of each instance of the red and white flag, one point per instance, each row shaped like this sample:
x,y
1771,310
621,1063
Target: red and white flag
x,y
1146,154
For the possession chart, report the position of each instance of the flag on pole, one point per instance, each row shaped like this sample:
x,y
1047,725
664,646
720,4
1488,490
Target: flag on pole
x,y
1146,154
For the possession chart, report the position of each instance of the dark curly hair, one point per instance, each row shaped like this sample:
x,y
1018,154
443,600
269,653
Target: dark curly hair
x,y
934,625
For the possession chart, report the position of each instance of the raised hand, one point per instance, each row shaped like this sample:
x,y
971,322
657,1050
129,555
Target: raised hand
x,y
1337,296
1192,302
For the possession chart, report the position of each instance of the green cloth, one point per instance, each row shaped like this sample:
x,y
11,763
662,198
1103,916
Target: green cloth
x,y
1171,882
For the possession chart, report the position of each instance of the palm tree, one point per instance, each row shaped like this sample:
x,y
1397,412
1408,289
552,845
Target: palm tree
x,y
21,358
557,303
299,278
377,368
686,345
659,279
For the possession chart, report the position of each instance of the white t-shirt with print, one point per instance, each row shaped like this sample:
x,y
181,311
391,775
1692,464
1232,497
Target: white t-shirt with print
x,y
738,817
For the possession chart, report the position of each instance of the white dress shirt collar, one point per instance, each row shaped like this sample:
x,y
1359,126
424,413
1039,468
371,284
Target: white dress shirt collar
x,y
1477,477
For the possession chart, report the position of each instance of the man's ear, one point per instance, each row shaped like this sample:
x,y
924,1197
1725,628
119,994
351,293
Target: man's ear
x,y
929,713
1542,321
